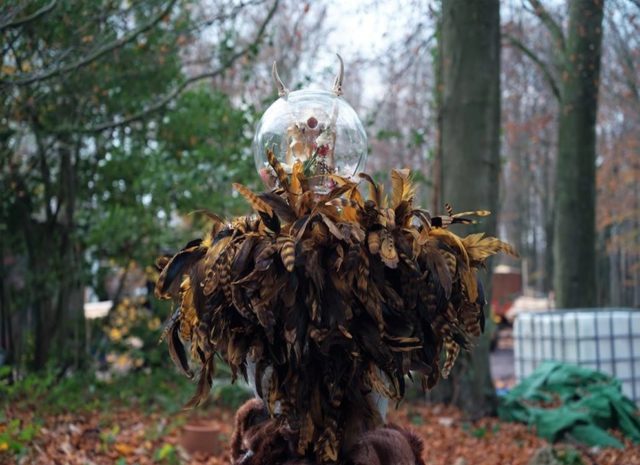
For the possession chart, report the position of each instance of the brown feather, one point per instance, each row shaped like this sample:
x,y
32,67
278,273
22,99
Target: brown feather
x,y
177,352
388,252
256,202
279,205
375,191
277,167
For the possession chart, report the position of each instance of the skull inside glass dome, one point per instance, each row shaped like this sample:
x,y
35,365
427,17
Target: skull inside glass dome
x,y
316,129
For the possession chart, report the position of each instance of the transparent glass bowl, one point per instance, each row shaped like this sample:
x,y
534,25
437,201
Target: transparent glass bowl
x,y
316,128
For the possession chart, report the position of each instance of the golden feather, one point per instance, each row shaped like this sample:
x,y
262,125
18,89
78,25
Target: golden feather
x,y
452,349
287,251
256,203
472,213
480,247
373,241
401,187
188,314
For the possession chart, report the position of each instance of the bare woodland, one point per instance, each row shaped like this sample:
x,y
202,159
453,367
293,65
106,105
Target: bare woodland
x,y
528,108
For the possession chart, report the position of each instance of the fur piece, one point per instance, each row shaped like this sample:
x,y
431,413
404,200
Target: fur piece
x,y
387,446
260,440
250,414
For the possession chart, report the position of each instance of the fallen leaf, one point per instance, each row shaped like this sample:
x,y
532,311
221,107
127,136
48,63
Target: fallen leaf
x,y
123,449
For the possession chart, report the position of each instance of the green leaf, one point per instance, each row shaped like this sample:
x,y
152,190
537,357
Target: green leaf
x,y
164,452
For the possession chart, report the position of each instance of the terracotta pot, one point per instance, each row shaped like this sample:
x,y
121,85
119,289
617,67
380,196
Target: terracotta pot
x,y
203,437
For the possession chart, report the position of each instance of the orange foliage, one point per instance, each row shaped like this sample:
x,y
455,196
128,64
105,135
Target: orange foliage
x,y
135,437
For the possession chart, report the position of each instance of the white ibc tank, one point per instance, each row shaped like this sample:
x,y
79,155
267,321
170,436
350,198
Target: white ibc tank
x,y
607,340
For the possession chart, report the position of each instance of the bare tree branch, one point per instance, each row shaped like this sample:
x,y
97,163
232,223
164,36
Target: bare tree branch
x,y
628,65
163,101
409,63
13,24
553,27
544,67
41,76
221,16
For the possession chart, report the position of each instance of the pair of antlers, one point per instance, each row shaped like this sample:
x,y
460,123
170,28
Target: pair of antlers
x,y
283,91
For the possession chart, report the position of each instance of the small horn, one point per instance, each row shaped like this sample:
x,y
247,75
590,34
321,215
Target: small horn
x,y
337,83
282,89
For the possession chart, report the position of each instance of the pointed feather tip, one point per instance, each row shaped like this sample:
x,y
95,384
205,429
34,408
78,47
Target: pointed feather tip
x,y
511,250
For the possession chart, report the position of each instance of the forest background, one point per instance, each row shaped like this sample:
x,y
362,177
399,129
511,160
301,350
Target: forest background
x,y
119,120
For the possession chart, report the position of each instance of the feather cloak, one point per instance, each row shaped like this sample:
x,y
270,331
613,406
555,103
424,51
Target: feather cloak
x,y
327,299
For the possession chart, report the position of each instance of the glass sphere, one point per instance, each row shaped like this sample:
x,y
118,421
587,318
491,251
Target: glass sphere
x,y
316,128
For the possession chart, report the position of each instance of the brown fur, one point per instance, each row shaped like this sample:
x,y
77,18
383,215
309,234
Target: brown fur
x,y
260,440
248,415
387,446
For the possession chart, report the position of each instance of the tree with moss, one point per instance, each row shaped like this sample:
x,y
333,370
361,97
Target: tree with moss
x,y
470,158
573,76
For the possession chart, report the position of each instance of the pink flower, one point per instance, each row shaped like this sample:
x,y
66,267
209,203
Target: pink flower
x,y
323,150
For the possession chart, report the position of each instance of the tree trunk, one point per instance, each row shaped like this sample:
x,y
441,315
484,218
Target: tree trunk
x,y
54,285
436,198
56,297
6,336
471,152
574,226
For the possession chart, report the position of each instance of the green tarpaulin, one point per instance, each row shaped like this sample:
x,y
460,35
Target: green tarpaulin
x,y
561,399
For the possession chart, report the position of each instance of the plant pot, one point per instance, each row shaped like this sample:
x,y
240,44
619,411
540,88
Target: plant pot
x,y
204,437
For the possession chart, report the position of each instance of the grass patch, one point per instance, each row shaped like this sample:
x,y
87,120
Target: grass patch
x,y
157,390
